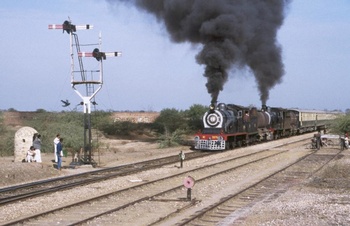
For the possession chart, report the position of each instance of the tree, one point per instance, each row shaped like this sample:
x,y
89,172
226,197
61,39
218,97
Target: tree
x,y
170,120
195,115
171,124
40,110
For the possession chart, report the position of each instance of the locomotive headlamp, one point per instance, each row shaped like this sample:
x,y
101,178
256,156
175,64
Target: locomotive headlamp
x,y
212,107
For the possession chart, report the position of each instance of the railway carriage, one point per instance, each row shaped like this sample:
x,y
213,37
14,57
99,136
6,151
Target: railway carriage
x,y
291,123
313,120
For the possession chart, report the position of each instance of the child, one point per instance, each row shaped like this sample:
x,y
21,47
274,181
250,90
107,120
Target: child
x,y
31,154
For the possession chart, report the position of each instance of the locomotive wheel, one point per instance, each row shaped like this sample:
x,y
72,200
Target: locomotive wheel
x,y
228,145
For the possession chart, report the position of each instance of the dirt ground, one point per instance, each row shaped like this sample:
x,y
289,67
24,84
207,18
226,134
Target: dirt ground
x,y
113,153
306,204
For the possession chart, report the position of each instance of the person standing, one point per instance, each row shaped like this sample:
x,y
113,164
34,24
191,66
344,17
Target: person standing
x,y
318,140
59,149
346,141
55,142
37,147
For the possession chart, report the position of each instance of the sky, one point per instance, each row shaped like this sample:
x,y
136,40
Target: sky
x,y
154,73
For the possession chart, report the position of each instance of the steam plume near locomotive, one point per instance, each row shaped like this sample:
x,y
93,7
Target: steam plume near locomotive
x,y
233,33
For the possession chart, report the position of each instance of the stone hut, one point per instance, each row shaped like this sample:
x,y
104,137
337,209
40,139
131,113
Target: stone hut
x,y
23,141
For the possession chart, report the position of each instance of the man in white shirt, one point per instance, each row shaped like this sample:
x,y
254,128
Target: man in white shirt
x,y
55,142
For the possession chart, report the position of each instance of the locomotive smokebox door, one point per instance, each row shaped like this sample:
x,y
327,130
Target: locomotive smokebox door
x,y
189,183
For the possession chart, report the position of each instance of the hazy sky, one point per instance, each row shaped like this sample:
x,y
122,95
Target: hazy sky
x,y
153,73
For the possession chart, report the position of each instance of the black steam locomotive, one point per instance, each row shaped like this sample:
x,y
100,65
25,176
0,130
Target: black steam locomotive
x,y
226,126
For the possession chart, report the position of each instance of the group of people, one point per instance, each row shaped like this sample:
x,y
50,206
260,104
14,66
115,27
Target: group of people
x,y
34,153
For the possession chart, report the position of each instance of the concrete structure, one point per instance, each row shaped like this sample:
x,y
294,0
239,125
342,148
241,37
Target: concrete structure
x,y
23,141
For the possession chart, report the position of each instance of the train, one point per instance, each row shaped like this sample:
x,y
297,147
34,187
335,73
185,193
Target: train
x,y
226,126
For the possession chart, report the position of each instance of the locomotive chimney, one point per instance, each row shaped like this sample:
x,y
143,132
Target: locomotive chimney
x,y
264,107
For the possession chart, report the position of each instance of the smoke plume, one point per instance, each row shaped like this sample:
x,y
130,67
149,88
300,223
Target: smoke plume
x,y
233,33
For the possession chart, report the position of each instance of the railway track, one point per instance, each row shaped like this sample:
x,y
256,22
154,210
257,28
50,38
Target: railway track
x,y
30,190
115,203
231,209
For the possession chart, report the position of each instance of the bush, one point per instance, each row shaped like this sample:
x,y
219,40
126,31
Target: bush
x,y
194,116
170,120
6,143
172,140
6,139
70,125
341,125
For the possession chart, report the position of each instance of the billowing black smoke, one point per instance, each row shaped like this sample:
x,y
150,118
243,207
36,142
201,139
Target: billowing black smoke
x,y
234,33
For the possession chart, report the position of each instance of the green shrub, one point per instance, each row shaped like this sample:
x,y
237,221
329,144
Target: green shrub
x,y
341,125
171,140
70,125
6,138
7,143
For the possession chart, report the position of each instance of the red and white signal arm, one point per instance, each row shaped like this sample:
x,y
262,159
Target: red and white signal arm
x,y
189,182
70,26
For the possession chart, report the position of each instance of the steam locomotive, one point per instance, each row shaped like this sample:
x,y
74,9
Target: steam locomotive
x,y
226,126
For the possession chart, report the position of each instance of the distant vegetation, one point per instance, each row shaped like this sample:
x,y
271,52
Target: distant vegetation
x,y
169,129
6,138
341,125
68,124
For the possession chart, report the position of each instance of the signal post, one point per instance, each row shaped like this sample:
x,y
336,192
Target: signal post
x,y
86,88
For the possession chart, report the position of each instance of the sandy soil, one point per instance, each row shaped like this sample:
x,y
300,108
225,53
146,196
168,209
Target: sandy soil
x,y
301,205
